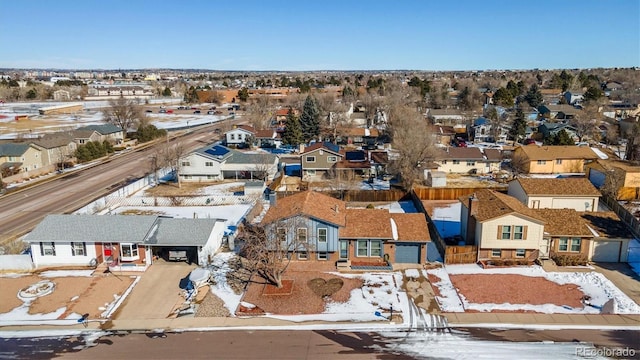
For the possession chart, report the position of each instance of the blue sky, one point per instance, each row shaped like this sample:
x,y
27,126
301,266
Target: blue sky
x,y
320,35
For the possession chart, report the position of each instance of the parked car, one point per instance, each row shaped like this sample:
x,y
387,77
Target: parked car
x,y
212,108
149,111
162,111
197,112
211,112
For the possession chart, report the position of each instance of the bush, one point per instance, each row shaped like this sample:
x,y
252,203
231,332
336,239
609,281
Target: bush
x,y
569,260
370,206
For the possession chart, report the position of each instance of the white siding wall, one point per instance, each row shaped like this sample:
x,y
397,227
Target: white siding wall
x,y
197,166
239,136
213,243
489,233
516,190
63,255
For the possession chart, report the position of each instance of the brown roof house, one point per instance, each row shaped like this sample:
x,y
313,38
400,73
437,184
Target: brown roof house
x,y
317,159
358,239
468,160
555,193
611,239
557,159
618,178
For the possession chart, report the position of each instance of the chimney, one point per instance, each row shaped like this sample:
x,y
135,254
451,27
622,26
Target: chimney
x,y
301,148
473,203
336,209
273,197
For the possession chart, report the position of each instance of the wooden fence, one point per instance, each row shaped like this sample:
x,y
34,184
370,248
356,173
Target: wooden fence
x,y
624,214
461,254
360,195
429,193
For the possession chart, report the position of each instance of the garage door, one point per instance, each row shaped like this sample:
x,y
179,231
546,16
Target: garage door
x,y
408,253
607,251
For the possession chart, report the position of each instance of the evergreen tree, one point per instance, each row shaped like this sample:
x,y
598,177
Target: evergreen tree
x,y
534,96
519,126
503,97
243,94
593,93
292,132
310,119
166,91
561,138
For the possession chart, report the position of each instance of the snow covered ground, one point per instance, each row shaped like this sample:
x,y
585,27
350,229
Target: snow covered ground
x,y
399,207
593,284
233,214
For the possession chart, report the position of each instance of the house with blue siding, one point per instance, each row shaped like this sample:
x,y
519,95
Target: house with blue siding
x,y
322,228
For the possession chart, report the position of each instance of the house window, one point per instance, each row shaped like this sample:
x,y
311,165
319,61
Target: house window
x,y
302,235
363,249
376,248
542,162
496,253
344,249
208,163
518,232
559,162
575,244
444,162
47,249
332,158
129,251
323,256
210,177
186,163
311,159
520,253
506,232
303,255
281,234
456,162
322,235
311,172
233,136
471,163
563,244
78,249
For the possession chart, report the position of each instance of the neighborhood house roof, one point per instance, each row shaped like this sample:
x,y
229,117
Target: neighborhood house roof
x,y
564,222
92,228
534,152
239,157
367,224
558,186
607,224
52,141
12,149
411,227
492,204
355,155
103,129
181,232
323,145
217,152
308,203
460,153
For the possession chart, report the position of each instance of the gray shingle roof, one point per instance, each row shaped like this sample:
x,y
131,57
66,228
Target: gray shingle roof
x,y
52,141
250,158
181,232
103,129
93,228
13,149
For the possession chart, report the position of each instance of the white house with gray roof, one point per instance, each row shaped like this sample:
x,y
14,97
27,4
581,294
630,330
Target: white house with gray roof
x,y
216,162
122,241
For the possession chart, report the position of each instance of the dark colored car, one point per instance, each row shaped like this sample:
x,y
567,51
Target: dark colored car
x,y
197,112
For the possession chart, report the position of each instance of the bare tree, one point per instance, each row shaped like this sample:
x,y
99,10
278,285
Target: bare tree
x,y
174,156
586,122
259,111
263,167
270,249
613,182
124,113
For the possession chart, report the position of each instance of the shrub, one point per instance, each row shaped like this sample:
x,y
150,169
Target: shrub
x,y
370,206
569,260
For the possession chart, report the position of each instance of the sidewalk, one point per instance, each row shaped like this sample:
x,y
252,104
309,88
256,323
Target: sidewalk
x,y
541,320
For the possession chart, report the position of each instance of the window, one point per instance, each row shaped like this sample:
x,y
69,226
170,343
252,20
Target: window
x,y
362,247
496,253
376,248
322,235
520,253
456,162
208,163
302,235
281,233
506,232
471,163
542,162
322,256
563,244
186,163
78,249
233,136
303,255
311,159
311,172
47,249
332,158
559,162
575,244
444,162
344,249
129,251
518,232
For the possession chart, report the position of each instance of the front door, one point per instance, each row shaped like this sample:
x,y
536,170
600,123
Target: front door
x,y
108,251
344,249
544,249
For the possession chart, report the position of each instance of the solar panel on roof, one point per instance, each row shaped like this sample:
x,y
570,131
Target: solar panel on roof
x,y
217,151
355,155
331,146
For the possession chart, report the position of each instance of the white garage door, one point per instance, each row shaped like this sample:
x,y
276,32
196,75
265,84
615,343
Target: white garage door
x,y
606,251
572,203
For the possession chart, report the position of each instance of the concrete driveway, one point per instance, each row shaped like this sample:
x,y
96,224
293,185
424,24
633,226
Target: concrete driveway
x,y
621,276
157,292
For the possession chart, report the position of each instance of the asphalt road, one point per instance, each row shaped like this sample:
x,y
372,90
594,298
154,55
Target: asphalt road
x,y
22,210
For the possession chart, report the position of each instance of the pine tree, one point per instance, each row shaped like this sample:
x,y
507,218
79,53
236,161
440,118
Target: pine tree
x,y
310,119
534,96
519,126
292,132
